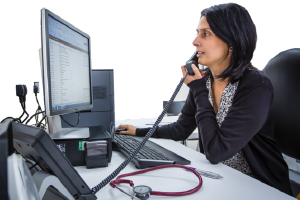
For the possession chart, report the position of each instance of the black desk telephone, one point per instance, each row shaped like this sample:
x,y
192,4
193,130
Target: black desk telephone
x,y
192,60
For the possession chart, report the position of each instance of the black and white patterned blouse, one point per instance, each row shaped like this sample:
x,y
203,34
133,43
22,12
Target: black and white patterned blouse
x,y
237,161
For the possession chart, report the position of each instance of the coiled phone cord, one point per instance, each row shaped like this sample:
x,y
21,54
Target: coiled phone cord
x,y
142,143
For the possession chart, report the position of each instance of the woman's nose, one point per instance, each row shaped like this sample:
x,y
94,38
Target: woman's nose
x,y
196,42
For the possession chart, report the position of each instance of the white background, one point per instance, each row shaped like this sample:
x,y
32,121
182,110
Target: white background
x,y
145,42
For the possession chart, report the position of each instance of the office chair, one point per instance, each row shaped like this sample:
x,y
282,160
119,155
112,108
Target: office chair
x,y
284,72
174,110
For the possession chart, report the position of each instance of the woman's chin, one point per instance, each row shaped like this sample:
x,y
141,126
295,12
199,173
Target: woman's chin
x,y
201,62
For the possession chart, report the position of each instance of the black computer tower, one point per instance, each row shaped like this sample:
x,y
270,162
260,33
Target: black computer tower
x,y
103,111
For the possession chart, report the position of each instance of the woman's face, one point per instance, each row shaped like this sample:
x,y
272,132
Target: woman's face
x,y
211,50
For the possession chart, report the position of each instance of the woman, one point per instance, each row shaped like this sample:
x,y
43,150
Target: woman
x,y
232,103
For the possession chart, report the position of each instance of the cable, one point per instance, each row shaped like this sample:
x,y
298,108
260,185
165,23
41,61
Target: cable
x,y
33,163
34,116
24,109
39,124
37,100
13,119
33,166
38,109
21,116
149,134
21,91
71,124
112,125
8,118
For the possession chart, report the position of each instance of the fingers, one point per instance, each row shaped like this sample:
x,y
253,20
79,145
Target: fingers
x,y
183,69
196,71
131,130
126,132
122,126
202,72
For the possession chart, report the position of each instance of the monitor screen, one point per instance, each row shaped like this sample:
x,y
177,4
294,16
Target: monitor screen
x,y
66,66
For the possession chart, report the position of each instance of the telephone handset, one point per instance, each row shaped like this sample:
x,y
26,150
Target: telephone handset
x,y
192,60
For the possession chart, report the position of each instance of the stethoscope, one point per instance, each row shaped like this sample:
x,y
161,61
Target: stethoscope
x,y
143,192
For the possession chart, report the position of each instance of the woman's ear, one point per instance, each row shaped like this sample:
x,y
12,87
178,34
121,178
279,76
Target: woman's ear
x,y
230,48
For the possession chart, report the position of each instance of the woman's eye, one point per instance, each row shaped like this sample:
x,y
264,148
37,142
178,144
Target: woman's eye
x,y
206,34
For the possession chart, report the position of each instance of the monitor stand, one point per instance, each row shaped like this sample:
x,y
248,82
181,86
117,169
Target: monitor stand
x,y
57,132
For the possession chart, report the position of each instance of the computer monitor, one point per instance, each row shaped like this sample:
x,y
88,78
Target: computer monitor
x,y
66,68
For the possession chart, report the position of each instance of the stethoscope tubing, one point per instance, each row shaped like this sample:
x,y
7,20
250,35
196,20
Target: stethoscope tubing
x,y
188,192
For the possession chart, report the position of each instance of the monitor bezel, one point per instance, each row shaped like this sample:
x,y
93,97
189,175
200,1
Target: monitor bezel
x,y
46,65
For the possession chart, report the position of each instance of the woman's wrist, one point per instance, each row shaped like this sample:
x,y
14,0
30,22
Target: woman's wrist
x,y
198,84
141,131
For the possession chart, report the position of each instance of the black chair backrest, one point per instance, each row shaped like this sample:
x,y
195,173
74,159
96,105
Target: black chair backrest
x,y
175,107
284,73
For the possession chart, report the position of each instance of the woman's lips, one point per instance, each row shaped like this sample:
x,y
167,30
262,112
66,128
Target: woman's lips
x,y
200,53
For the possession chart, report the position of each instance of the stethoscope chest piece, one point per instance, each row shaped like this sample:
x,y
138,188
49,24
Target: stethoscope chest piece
x,y
142,192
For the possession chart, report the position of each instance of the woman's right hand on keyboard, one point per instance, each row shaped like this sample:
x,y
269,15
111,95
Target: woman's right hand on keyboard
x,y
131,130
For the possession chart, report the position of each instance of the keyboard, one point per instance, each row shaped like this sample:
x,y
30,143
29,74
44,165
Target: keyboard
x,y
151,155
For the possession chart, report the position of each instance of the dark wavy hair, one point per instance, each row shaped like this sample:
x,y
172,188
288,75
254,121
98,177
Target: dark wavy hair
x,y
233,25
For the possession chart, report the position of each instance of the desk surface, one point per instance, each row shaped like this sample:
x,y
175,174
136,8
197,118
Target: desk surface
x,y
234,185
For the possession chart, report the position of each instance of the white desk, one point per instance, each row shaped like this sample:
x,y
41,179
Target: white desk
x,y
234,185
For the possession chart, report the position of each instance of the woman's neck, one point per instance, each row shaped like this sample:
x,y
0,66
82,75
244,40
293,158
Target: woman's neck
x,y
217,71
219,83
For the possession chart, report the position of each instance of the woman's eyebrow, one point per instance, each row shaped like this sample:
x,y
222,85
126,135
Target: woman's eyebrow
x,y
203,29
